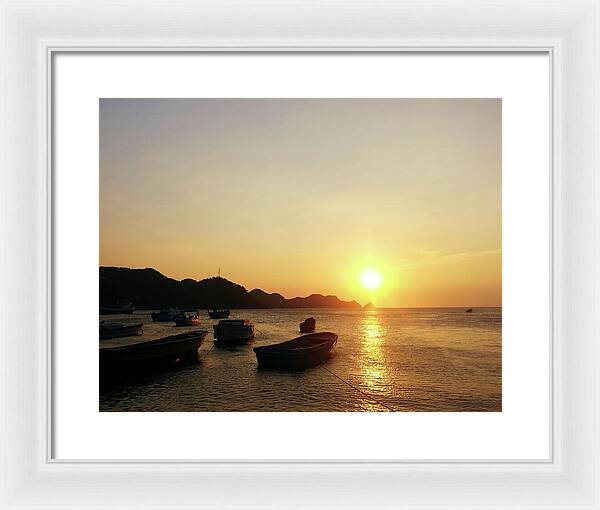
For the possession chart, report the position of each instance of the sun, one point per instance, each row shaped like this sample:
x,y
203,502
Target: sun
x,y
371,279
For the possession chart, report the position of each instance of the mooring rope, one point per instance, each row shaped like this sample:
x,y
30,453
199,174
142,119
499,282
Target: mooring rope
x,y
359,390
389,408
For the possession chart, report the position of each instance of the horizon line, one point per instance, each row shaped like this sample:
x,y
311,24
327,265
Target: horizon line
x,y
302,297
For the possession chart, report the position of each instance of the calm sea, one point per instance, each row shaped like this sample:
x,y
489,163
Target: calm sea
x,y
386,360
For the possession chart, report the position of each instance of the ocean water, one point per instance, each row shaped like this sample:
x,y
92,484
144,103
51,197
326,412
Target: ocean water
x,y
385,360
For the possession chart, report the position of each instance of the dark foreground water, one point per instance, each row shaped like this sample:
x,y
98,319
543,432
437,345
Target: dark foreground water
x,y
385,360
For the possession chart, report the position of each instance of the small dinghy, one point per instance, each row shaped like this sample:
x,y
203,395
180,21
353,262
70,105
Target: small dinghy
x,y
302,352
117,330
233,331
187,320
171,349
218,314
470,310
308,326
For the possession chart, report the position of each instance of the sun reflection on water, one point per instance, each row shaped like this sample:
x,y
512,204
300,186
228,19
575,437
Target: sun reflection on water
x,y
374,371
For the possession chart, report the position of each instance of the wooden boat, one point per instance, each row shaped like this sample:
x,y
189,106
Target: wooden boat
x,y
308,326
470,310
302,352
233,331
218,314
171,349
117,330
166,315
127,308
187,320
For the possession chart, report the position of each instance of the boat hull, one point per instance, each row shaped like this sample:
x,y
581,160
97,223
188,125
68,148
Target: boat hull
x,y
170,350
164,316
187,322
219,314
108,331
233,333
297,354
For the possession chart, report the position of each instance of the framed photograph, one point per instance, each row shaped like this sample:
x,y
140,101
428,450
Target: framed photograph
x,y
343,232
344,252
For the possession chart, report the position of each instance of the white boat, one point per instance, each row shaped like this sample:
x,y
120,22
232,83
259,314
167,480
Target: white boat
x,y
233,331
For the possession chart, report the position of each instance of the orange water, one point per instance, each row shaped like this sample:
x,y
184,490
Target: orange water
x,y
385,359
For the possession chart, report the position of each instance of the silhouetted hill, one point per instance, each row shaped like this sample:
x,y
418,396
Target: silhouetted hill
x,y
320,301
275,300
149,289
267,300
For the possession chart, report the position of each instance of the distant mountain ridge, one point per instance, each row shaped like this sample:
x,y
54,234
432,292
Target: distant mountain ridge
x,y
149,289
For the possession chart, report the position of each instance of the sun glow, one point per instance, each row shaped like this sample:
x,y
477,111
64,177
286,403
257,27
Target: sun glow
x,y
371,279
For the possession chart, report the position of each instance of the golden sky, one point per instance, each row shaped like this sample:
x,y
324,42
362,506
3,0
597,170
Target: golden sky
x,y
300,196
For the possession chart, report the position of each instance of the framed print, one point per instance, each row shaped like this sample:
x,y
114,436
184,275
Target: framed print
x,y
380,347
346,247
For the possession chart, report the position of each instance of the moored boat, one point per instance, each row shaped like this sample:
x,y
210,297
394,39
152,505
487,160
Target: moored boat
x,y
187,320
308,326
166,315
170,349
302,352
218,314
118,330
233,331
127,308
